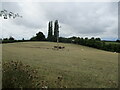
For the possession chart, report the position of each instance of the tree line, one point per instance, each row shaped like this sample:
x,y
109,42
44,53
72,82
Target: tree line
x,y
12,40
92,42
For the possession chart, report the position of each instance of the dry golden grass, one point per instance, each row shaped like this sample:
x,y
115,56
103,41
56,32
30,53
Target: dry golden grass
x,y
79,66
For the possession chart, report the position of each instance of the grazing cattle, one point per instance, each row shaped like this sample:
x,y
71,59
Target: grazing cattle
x,y
62,47
55,46
59,47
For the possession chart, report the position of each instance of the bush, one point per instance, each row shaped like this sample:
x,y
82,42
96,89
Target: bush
x,y
18,75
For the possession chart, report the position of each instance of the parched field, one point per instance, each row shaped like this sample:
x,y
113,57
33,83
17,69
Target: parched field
x,y
80,66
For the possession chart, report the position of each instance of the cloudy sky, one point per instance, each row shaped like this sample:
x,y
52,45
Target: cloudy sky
x,y
83,19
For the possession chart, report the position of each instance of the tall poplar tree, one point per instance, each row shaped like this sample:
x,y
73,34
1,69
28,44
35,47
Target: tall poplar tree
x,y
50,31
56,30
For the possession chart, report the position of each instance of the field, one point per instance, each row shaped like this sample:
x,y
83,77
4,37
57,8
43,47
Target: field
x,y
80,66
108,42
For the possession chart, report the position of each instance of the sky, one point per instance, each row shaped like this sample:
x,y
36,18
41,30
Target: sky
x,y
82,19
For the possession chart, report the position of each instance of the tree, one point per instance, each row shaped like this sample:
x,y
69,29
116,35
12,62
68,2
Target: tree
x,y
98,39
23,39
5,14
86,38
11,38
8,40
50,31
33,38
5,38
117,40
39,37
92,38
56,30
86,41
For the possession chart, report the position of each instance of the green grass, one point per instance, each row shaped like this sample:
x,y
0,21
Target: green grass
x,y
108,42
80,66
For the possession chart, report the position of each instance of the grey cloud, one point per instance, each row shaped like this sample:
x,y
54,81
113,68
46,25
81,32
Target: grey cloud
x,y
10,6
89,19
84,17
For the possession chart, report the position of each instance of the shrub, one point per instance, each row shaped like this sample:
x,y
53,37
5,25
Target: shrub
x,y
18,75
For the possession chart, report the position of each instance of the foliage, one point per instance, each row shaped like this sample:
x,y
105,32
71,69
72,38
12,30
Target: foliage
x,y
56,30
23,39
39,37
8,40
18,75
93,42
5,14
53,37
118,40
11,38
56,26
50,31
